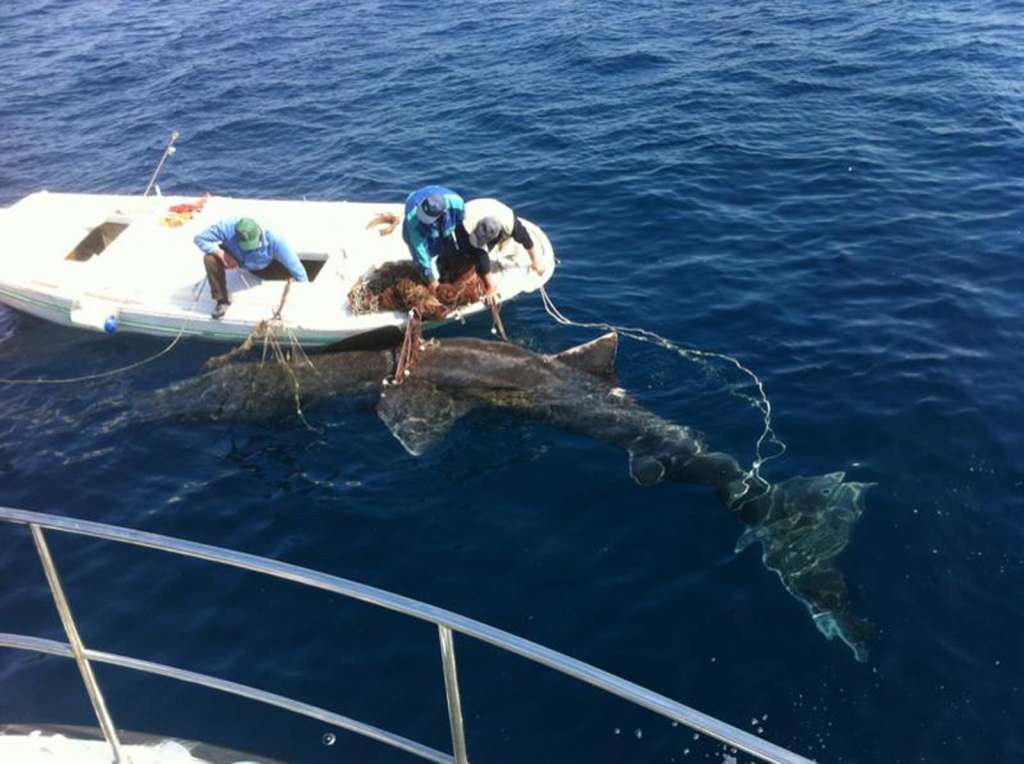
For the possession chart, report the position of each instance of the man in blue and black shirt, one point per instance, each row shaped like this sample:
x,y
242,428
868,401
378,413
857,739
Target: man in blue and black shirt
x,y
433,217
235,242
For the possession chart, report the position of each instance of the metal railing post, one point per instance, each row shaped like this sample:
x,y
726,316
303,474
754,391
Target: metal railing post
x,y
447,622
91,686
451,691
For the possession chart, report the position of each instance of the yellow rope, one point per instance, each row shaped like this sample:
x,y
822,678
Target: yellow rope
x,y
268,330
113,372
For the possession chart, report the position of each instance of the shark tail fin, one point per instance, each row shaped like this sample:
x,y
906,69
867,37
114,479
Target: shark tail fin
x,y
803,524
596,357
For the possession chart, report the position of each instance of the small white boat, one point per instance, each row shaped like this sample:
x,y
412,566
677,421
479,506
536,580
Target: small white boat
x,y
129,264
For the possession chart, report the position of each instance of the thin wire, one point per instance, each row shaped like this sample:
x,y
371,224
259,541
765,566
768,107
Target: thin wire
x,y
693,354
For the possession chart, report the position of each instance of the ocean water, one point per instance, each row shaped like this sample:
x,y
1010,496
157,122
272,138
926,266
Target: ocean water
x,y
828,191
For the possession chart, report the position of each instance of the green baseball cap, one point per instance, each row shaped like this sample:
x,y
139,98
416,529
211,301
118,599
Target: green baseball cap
x,y
249,234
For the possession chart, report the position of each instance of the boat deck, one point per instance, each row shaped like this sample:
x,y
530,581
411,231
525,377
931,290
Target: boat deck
x,y
150,275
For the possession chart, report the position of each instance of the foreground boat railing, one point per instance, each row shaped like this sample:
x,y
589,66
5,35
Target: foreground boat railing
x,y
446,621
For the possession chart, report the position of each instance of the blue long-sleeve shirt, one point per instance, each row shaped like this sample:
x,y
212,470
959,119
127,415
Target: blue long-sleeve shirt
x,y
222,234
425,242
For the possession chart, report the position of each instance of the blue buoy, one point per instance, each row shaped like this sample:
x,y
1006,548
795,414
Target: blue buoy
x,y
111,324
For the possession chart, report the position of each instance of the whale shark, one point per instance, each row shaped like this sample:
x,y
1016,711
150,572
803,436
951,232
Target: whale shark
x,y
802,524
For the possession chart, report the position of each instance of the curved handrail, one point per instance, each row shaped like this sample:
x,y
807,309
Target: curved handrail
x,y
52,647
584,672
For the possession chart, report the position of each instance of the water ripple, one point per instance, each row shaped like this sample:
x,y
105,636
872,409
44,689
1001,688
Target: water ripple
x,y
825,191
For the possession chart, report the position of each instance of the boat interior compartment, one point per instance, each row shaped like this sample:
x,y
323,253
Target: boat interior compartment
x,y
97,240
313,262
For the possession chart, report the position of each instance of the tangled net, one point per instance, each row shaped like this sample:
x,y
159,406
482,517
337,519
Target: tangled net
x,y
399,286
269,334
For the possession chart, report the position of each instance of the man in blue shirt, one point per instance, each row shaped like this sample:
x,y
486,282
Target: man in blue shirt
x,y
235,242
433,216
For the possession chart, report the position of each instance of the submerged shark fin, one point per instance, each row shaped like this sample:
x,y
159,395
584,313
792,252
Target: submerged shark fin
x,y
418,414
596,357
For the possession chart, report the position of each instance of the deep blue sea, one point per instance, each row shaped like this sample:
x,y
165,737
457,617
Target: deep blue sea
x,y
830,192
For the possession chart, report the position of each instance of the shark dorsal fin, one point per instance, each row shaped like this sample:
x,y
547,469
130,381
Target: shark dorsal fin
x,y
418,414
596,357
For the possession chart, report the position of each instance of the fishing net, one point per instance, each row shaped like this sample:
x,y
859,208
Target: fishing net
x,y
399,286
393,286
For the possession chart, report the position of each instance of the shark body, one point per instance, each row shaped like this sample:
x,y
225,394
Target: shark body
x,y
802,523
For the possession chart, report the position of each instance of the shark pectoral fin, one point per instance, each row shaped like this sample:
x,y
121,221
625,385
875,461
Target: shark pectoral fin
x,y
418,414
646,470
596,357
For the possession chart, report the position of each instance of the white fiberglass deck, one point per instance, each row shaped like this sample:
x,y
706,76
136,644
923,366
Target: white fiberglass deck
x,y
151,275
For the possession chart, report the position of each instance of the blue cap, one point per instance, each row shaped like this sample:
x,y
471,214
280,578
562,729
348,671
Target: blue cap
x,y
431,209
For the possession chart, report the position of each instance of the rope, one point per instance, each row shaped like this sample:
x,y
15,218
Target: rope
x,y
410,350
279,356
284,298
499,327
693,354
198,290
268,330
387,222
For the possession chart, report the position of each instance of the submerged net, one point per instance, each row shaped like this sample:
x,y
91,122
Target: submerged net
x,y
399,286
268,336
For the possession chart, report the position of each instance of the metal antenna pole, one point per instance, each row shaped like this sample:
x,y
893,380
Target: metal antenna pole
x,y
77,648
167,152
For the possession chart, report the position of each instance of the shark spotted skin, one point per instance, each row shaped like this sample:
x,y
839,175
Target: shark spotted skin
x,y
802,524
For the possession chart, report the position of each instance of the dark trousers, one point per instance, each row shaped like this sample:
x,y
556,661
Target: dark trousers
x,y
450,266
217,276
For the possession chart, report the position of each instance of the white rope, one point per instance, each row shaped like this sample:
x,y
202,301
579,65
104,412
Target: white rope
x,y
198,290
693,354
